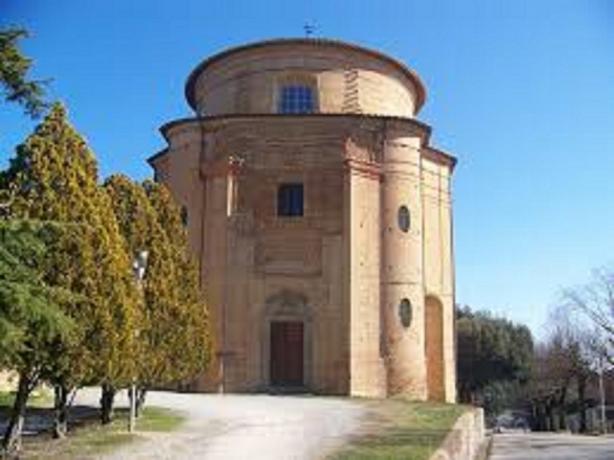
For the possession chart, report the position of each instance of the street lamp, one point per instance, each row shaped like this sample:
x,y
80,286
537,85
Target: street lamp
x,y
139,266
604,424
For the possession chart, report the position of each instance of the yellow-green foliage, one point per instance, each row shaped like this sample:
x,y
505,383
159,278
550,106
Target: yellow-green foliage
x,y
55,176
173,333
191,344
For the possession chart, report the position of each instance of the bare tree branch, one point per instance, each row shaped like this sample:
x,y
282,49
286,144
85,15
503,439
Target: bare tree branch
x,y
596,300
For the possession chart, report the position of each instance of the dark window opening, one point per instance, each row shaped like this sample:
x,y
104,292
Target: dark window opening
x,y
405,313
404,219
296,99
184,216
290,200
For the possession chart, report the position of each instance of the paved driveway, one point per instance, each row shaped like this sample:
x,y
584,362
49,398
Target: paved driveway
x,y
244,426
551,446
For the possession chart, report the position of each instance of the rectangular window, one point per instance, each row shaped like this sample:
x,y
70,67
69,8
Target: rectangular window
x,y
290,200
296,99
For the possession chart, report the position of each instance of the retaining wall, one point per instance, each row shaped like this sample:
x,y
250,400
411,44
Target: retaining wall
x,y
466,440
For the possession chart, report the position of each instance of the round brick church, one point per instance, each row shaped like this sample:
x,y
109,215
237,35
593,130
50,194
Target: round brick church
x,y
321,219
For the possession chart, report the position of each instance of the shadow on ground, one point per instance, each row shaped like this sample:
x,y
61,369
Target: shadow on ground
x,y
39,421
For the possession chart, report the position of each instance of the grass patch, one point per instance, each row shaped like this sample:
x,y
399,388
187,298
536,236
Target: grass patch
x,y
40,398
157,419
87,438
399,429
84,442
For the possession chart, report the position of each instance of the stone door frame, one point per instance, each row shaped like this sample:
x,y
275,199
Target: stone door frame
x,y
287,306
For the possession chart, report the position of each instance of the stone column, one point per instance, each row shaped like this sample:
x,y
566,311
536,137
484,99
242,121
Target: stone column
x,y
401,267
220,182
361,233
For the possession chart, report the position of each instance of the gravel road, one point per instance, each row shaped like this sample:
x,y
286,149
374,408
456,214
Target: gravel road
x,y
243,426
551,446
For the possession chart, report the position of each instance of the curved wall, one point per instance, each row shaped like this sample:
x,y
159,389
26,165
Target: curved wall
x,y
402,267
346,79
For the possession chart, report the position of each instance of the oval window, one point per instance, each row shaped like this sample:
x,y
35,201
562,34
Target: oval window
x,y
405,313
404,219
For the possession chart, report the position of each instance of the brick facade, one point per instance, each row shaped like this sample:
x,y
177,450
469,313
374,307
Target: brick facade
x,y
343,268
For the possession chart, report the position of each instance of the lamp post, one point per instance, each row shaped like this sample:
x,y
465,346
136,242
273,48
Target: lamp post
x,y
604,425
139,266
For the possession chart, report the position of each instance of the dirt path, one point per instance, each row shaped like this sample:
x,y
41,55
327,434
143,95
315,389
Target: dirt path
x,y
244,426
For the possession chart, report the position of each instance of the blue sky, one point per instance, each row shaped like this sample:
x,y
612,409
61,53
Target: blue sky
x,y
522,92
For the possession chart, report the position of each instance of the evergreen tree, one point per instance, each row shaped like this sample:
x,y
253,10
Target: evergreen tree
x,y
158,330
490,351
54,175
190,338
33,321
14,67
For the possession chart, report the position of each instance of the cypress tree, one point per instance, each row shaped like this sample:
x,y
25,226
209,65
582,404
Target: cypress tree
x,y
141,230
55,178
174,330
191,339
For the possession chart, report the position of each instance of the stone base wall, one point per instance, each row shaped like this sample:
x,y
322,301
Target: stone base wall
x,y
466,438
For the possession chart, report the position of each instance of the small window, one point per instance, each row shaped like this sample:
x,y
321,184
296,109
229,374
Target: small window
x,y
404,219
184,216
290,200
405,313
295,99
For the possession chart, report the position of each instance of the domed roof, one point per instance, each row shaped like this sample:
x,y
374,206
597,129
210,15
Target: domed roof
x,y
316,42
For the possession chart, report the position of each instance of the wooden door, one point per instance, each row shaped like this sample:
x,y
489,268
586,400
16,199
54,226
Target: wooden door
x,y
434,349
287,353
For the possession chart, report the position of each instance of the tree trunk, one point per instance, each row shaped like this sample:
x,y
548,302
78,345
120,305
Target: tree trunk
x,y
466,394
562,412
550,419
141,394
582,402
543,420
60,408
11,442
540,416
106,403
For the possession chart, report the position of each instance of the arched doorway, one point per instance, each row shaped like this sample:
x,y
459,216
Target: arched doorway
x,y
433,319
286,342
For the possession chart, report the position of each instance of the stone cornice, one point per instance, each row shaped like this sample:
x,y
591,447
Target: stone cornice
x,y
152,159
212,123
439,156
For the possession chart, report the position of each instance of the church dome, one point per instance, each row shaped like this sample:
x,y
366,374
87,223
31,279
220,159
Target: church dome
x,y
299,76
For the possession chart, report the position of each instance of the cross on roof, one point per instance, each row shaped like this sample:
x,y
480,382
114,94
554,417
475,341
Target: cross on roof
x,y
309,29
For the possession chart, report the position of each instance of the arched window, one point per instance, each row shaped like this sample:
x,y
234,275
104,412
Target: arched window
x,y
296,98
